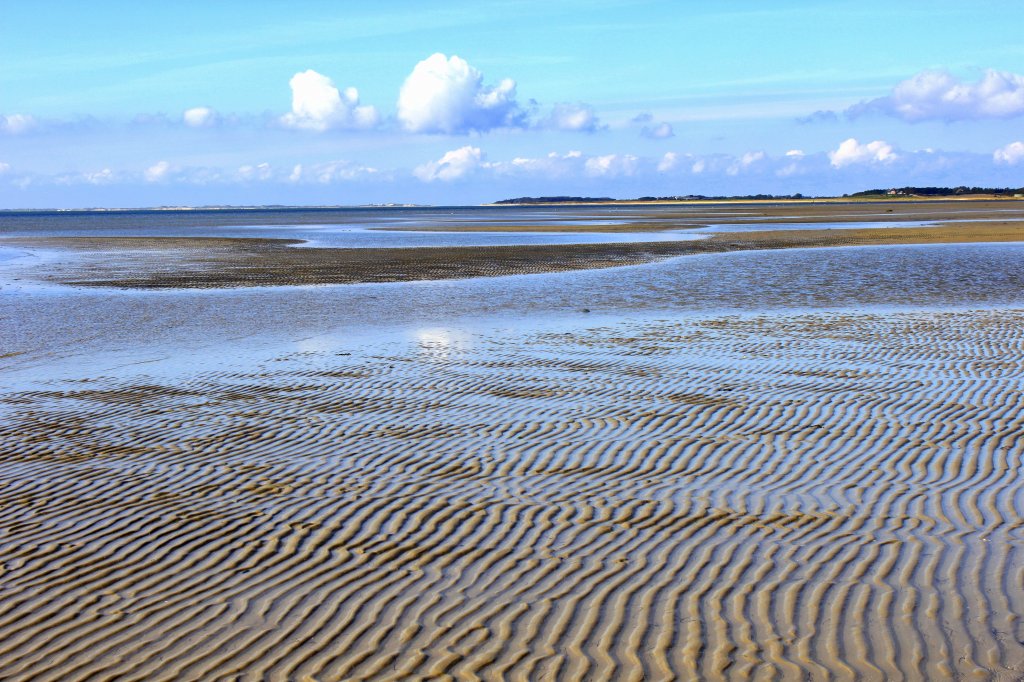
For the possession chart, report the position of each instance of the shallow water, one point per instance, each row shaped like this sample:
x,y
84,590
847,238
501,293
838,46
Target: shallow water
x,y
813,496
46,323
775,225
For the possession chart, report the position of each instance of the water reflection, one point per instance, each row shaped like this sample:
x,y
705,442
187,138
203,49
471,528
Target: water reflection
x,y
40,325
441,343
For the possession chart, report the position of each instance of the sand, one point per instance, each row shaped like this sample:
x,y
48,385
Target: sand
x,y
762,497
203,262
775,495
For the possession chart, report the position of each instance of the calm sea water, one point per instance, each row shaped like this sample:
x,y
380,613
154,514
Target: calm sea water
x,y
344,227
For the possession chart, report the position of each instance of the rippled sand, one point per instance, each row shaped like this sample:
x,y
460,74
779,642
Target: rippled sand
x,y
759,497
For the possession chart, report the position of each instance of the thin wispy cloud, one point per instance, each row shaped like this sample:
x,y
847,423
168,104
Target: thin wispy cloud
x,y
655,130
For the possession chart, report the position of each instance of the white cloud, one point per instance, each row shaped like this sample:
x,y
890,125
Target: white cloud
x,y
652,129
698,167
318,105
157,172
102,177
937,94
553,165
668,162
852,152
611,165
1011,154
572,117
296,173
261,171
795,153
4,167
199,117
447,95
744,162
338,171
453,165
658,131
15,124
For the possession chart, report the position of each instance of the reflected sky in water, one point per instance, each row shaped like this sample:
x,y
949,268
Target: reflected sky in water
x,y
42,325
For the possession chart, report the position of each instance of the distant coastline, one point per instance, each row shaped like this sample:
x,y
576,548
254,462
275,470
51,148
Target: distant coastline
x,y
895,193
890,194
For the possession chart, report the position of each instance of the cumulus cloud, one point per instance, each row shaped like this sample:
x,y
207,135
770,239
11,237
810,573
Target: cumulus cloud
x,y
668,162
744,162
938,95
4,167
453,165
572,117
199,117
16,124
611,165
655,130
447,95
795,165
1011,154
318,105
157,172
853,152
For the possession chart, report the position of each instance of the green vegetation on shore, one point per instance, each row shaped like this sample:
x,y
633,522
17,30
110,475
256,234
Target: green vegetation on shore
x,y
904,192
940,192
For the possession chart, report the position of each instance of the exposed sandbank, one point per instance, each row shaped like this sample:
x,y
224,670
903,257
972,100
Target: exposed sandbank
x,y
172,262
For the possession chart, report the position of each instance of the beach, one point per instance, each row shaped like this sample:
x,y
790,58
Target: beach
x,y
781,453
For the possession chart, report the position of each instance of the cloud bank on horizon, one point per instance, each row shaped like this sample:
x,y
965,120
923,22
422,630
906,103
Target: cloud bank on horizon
x,y
938,95
467,125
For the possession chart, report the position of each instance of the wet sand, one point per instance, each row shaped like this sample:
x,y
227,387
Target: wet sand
x,y
759,497
202,262
768,495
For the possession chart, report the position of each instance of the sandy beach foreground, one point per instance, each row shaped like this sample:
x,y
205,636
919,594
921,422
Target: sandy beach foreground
x,y
764,497
769,459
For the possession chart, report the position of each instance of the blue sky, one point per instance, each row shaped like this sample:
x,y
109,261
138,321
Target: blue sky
x,y
139,104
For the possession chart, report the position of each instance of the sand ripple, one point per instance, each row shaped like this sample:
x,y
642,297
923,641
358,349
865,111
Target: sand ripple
x,y
810,496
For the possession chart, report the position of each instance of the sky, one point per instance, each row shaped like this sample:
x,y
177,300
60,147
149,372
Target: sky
x,y
126,104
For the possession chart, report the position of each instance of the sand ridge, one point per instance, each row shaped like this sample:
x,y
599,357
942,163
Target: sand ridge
x,y
201,262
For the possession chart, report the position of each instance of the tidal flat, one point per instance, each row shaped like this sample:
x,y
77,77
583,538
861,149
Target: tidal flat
x,y
581,443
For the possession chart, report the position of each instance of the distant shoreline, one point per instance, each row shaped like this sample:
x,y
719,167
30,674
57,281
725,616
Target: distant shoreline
x,y
808,200
904,195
